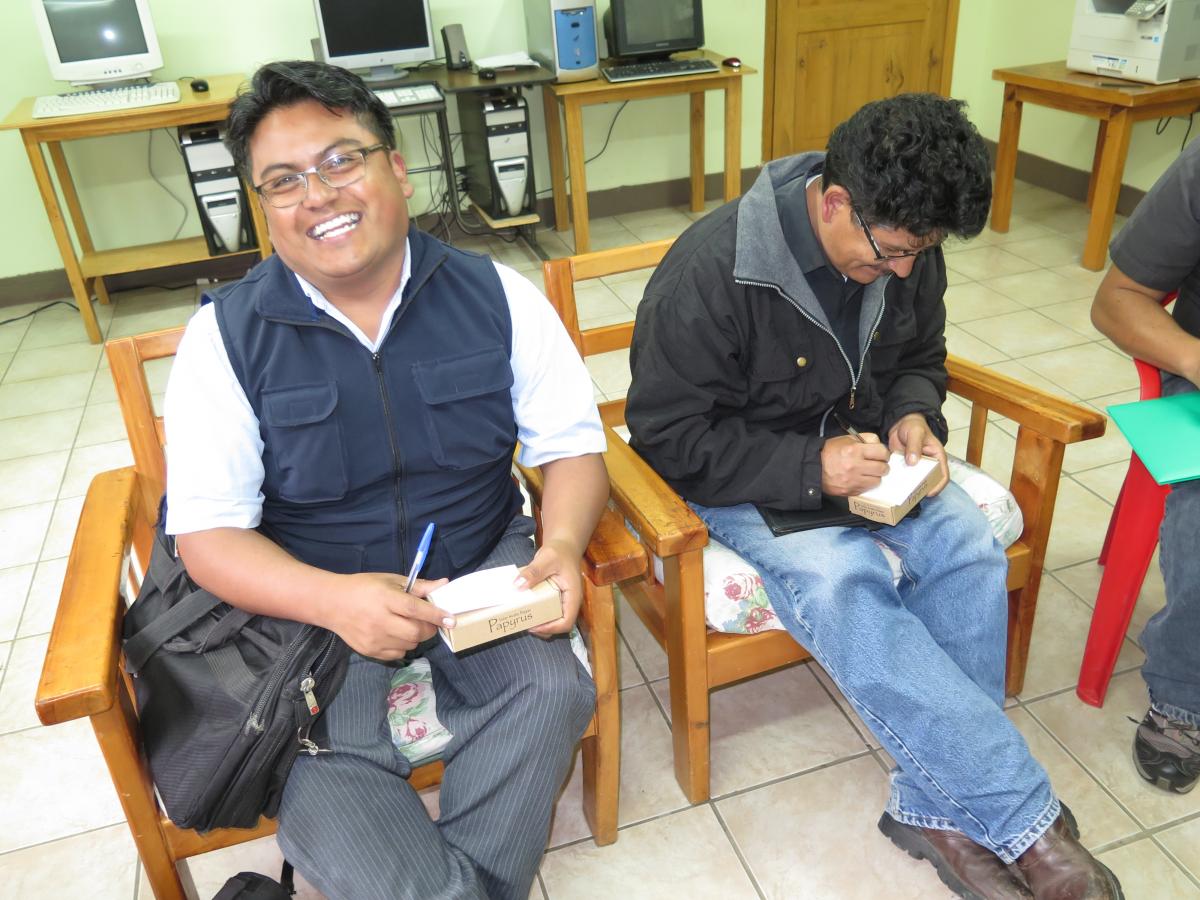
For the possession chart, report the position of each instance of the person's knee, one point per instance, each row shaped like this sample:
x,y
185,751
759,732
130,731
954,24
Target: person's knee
x,y
559,695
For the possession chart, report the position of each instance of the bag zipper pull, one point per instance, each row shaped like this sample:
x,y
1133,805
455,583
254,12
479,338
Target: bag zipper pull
x,y
307,745
306,685
852,398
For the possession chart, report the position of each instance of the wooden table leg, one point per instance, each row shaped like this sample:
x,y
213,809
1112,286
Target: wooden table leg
x,y
733,138
696,154
1108,185
1006,160
1101,133
554,148
71,197
573,115
58,225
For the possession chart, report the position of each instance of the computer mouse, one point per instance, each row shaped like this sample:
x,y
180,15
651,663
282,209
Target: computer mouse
x,y
486,74
199,85
733,62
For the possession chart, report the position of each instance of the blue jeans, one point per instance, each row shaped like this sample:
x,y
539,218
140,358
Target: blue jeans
x,y
922,662
1171,638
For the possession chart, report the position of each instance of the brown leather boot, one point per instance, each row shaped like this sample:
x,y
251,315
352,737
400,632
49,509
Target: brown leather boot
x,y
971,871
1057,867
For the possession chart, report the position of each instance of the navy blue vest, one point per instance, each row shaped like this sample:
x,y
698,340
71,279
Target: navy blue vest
x,y
362,449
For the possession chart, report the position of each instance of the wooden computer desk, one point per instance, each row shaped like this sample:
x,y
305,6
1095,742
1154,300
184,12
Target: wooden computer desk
x,y
573,96
1117,108
87,268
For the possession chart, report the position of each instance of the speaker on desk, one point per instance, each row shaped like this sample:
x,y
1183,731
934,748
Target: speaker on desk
x,y
495,130
455,43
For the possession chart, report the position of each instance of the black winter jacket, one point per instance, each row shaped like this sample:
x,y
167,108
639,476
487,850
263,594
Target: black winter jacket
x,y
735,368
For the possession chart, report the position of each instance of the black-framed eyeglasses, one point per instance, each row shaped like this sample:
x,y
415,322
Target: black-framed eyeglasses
x,y
338,171
880,256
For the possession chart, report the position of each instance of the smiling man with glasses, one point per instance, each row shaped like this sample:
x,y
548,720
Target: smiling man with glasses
x,y
364,381
817,299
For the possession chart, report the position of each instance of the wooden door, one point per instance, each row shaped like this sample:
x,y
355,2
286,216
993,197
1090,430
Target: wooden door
x,y
826,58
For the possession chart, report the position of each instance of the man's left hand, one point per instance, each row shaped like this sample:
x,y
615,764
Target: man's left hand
x,y
556,561
913,437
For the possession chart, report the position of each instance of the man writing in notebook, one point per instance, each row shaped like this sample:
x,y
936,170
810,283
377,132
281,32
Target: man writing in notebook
x,y
366,380
818,296
1158,251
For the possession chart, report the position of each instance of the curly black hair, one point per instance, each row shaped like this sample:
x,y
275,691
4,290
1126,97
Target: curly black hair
x,y
281,84
913,162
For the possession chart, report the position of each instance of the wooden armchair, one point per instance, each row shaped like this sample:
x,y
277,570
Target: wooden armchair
x,y
700,660
82,674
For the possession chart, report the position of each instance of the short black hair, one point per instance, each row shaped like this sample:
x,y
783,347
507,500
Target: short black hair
x,y
282,84
913,162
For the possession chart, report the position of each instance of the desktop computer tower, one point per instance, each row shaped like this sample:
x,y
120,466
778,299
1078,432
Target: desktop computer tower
x,y
562,37
495,134
220,197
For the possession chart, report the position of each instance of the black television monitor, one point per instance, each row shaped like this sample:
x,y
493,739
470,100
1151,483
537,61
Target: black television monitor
x,y
378,35
653,28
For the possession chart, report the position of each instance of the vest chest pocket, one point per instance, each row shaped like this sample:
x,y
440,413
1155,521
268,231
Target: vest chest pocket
x,y
467,407
304,440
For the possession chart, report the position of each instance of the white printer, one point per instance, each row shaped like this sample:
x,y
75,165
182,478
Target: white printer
x,y
1155,41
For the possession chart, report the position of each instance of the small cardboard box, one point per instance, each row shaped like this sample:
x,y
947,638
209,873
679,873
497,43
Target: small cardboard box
x,y
486,607
901,489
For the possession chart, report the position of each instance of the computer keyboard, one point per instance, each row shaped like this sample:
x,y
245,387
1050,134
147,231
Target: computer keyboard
x,y
661,68
409,95
107,99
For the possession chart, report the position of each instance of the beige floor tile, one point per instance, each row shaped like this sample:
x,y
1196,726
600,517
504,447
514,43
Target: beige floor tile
x,y
48,362
1029,199
594,300
969,347
61,325
683,855
14,588
998,448
27,398
20,684
1145,871
610,370
166,315
1087,371
830,847
210,870
42,602
1018,370
648,786
642,644
1067,217
1183,841
969,301
1020,228
1101,739
99,865
101,424
1101,821
1023,333
5,361
1060,631
1057,250
63,524
22,531
1105,481
658,231
772,726
56,785
628,674
87,462
1040,287
982,263
1076,315
1083,580
630,288
31,479
1077,532
1110,447
612,239
953,277
569,824
39,433
519,257
1083,277
664,216
12,333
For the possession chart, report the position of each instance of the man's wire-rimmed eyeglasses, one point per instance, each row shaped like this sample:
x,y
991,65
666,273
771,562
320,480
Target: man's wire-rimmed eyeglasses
x,y
338,171
880,256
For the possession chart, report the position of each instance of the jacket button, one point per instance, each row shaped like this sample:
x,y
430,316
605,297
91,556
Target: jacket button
x,y
875,337
801,361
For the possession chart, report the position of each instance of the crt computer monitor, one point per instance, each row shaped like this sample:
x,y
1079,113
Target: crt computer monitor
x,y
378,35
97,41
653,28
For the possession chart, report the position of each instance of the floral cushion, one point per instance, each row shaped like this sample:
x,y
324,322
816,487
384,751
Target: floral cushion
x,y
412,708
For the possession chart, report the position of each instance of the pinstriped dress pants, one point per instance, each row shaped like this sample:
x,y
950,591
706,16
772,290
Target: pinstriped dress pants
x,y
354,827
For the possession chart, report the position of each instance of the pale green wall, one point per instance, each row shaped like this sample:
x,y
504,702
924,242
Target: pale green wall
x,y
124,206
649,143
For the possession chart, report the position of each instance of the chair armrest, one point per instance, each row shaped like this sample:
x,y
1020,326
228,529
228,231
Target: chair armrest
x,y
659,515
1058,419
79,674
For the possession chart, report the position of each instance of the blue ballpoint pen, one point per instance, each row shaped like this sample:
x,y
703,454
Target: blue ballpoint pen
x,y
419,559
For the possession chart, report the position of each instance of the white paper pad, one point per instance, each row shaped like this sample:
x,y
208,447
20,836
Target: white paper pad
x,y
487,587
900,481
520,59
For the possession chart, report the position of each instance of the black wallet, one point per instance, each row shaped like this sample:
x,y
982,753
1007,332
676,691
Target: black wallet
x,y
834,511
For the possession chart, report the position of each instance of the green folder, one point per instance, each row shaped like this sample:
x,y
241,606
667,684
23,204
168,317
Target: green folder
x,y
1164,433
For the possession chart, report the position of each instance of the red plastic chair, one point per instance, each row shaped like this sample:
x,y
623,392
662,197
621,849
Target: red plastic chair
x,y
1128,546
